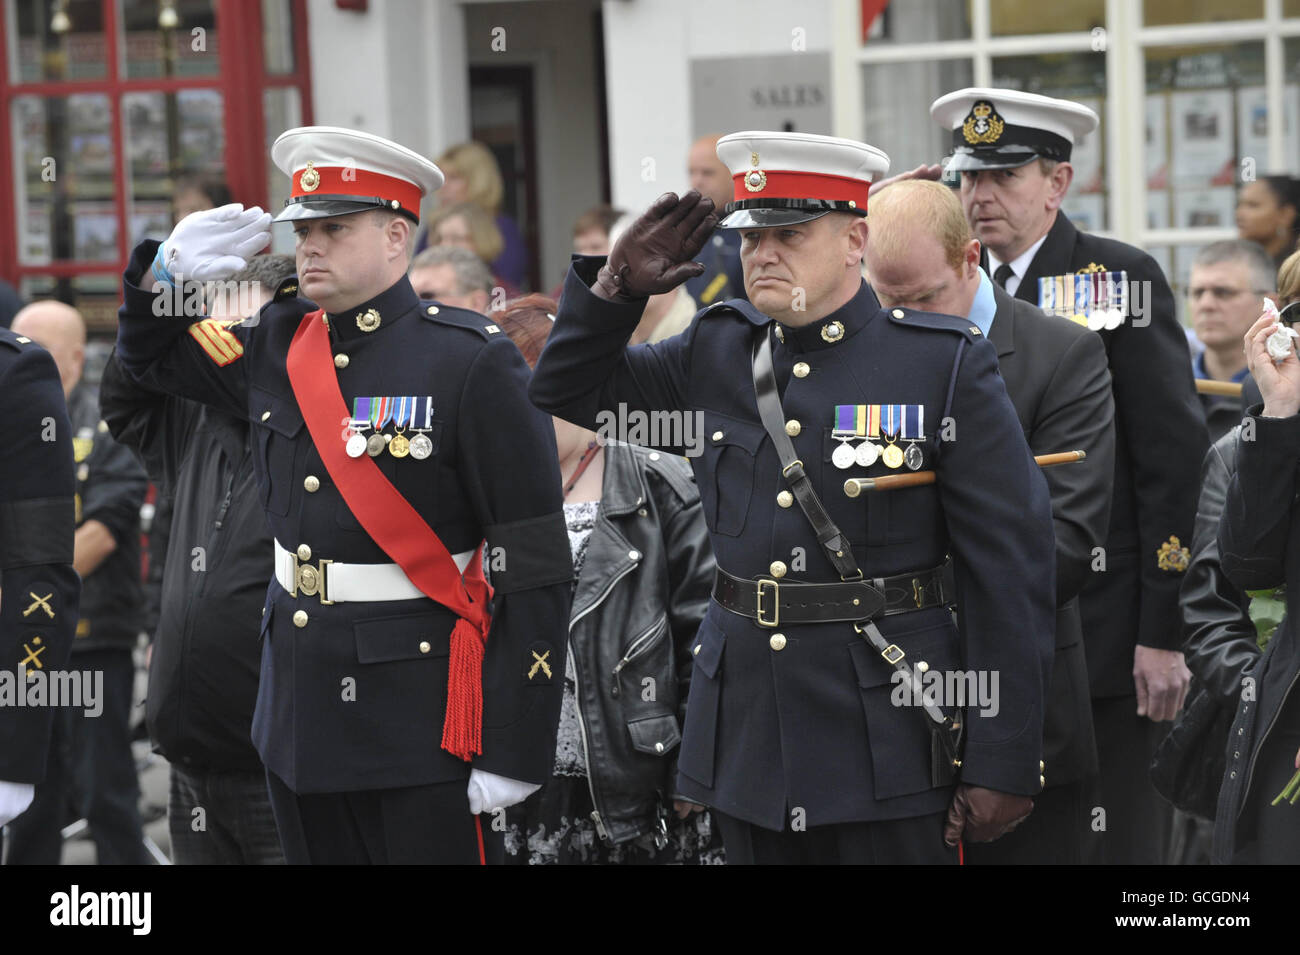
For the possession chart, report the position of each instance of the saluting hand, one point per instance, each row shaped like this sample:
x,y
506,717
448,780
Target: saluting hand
x,y
654,254
933,172
1279,383
213,244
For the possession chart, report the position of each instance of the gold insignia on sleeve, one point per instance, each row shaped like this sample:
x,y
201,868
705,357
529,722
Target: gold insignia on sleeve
x,y
33,656
983,125
310,179
42,603
1172,556
217,341
540,659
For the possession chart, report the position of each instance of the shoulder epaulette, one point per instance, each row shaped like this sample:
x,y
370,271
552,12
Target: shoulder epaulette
x,y
948,323
738,305
288,288
16,342
460,318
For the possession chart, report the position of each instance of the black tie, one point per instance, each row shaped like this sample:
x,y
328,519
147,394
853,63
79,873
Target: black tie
x,y
1003,272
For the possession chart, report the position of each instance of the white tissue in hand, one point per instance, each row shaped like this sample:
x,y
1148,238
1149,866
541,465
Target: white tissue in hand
x,y
1279,344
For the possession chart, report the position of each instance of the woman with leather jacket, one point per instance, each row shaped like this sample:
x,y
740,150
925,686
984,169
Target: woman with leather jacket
x,y
643,573
1259,543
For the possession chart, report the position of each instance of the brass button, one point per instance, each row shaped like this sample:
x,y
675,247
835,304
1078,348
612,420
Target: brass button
x,y
1042,780
793,427
777,568
304,552
717,436
1042,766
300,618
777,642
696,651
898,313
922,666
425,647
102,427
433,309
642,512
265,415
340,361
785,499
801,369
312,483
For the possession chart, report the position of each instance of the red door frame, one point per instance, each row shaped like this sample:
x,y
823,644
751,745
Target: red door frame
x,y
241,79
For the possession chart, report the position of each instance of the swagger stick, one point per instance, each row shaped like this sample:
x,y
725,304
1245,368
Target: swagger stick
x,y
892,482
1208,386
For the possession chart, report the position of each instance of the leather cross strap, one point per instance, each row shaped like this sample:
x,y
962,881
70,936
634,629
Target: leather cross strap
x,y
398,528
833,542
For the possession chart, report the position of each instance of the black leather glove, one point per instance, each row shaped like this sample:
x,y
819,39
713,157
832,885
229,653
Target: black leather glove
x,y
982,815
654,254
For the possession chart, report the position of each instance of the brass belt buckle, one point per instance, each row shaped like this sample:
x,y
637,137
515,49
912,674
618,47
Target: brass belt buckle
x,y
776,606
310,579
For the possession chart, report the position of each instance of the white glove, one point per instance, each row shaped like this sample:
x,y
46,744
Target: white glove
x,y
488,791
213,244
14,800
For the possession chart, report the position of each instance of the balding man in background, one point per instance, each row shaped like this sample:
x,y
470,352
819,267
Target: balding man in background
x,y
723,277
453,276
90,759
920,254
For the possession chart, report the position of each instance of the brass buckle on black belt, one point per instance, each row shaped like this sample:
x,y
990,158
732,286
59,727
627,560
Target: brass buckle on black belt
x,y
776,603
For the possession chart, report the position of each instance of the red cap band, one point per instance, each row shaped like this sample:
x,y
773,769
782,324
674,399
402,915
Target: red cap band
x,y
348,181
803,185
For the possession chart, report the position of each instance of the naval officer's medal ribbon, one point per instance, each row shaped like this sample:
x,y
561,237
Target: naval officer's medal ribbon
x,y
913,434
846,428
421,446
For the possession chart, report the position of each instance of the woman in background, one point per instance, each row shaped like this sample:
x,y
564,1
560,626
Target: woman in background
x,y
643,570
1268,212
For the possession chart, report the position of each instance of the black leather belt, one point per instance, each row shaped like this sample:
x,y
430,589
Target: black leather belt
x,y
773,602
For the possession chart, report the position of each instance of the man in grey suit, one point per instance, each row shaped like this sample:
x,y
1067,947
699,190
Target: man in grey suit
x,y
920,254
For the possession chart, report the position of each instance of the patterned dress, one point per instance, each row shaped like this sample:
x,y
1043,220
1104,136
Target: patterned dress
x,y
554,826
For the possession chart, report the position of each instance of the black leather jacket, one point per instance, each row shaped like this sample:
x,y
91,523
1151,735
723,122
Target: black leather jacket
x,y
1220,637
642,593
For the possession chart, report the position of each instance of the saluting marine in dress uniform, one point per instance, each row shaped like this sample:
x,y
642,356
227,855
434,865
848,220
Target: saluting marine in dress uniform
x,y
1132,624
390,437
39,590
792,734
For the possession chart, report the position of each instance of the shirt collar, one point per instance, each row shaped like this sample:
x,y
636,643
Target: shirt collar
x,y
1020,264
390,304
984,306
1198,369
851,316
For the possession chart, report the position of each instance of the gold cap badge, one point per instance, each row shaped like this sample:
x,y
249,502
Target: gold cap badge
x,y
983,125
309,179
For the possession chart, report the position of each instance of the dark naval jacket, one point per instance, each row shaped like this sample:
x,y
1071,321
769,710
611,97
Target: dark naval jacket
x,y
352,694
806,722
38,613
1160,440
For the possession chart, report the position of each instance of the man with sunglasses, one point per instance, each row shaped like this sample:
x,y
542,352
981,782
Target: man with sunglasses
x,y
1225,295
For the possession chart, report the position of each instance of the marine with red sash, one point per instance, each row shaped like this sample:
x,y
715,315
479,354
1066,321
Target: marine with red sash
x,y
395,447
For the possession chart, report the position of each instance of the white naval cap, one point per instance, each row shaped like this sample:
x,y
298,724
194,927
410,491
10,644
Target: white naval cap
x,y
336,171
784,178
1000,129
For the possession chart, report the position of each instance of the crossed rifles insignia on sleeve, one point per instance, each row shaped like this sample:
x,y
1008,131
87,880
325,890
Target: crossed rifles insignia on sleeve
x,y
539,660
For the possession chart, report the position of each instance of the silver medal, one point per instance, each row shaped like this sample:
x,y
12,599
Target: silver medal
x,y
356,445
421,447
866,454
912,457
375,445
843,456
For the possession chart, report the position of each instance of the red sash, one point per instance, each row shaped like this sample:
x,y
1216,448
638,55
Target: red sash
x,y
395,526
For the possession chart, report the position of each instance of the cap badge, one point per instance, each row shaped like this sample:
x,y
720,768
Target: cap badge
x,y
368,320
309,179
755,179
983,125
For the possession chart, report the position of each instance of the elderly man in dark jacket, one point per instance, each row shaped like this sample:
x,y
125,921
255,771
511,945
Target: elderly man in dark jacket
x,y
90,755
204,672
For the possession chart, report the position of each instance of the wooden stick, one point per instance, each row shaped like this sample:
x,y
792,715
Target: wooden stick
x,y
1207,386
892,482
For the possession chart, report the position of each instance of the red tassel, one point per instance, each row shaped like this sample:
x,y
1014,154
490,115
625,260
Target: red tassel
x,y
462,729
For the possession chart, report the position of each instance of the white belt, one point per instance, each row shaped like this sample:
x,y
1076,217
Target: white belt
x,y
336,582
